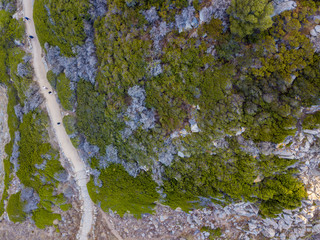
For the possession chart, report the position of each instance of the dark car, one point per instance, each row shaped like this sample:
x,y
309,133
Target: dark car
x,y
26,18
49,92
31,36
58,123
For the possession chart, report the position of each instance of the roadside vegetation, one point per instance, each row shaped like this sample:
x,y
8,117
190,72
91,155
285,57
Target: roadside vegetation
x,y
38,163
60,23
62,85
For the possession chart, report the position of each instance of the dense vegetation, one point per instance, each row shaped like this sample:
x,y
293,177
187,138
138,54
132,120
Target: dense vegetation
x,y
246,16
38,164
254,77
122,192
230,175
60,23
11,29
35,151
15,208
69,123
62,84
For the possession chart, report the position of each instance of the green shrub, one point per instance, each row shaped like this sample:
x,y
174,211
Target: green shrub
x,y
229,175
43,217
52,78
69,123
15,208
64,91
214,233
311,121
246,16
122,192
60,23
282,192
66,207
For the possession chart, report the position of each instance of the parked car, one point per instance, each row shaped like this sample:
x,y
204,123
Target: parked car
x,y
31,36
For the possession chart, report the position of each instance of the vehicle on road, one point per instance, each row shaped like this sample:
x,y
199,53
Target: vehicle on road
x,y
49,92
58,123
26,18
30,36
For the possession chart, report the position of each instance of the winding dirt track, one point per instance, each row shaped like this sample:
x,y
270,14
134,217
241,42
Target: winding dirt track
x,y
53,109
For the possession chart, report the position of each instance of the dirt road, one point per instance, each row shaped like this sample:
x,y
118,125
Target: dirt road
x,y
53,109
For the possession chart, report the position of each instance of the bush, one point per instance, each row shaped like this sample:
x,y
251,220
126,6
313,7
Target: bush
x,y
69,123
15,208
60,23
43,218
64,91
121,192
229,175
246,16
311,121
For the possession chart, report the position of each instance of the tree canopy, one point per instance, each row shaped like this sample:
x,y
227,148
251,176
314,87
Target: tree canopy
x,y
246,16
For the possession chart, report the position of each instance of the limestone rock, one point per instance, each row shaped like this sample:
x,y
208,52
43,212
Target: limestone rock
x,y
268,232
313,33
316,228
283,5
151,15
186,20
206,14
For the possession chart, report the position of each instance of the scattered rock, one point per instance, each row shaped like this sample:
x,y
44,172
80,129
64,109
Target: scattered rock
x,y
137,113
268,232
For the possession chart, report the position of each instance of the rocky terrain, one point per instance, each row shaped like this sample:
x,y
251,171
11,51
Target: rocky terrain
x,y
235,221
240,221
68,228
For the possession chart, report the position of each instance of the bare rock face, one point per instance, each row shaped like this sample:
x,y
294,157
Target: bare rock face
x,y
98,8
33,100
15,152
4,131
151,15
137,113
32,199
217,10
22,70
83,66
186,20
283,5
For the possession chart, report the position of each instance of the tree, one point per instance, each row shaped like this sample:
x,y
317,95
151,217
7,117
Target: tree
x,y
246,16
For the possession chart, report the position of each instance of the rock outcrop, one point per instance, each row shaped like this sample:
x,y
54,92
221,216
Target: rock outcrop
x,y
283,5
